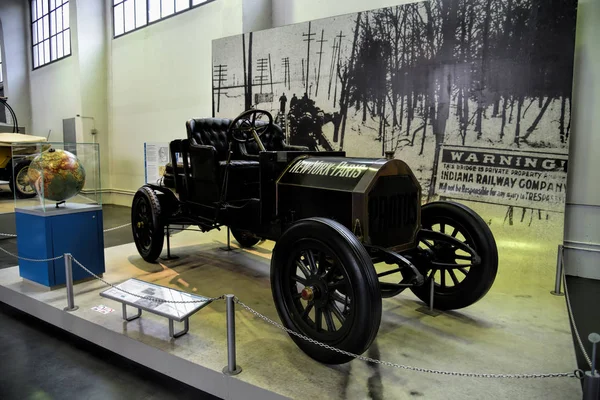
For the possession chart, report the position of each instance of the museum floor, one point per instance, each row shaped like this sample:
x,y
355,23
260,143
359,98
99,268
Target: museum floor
x,y
44,362
517,328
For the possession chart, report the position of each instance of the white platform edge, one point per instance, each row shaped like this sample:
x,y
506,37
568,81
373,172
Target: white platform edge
x,y
207,380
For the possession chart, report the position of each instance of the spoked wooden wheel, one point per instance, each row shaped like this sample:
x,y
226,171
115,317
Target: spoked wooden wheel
x,y
19,184
464,269
146,224
325,287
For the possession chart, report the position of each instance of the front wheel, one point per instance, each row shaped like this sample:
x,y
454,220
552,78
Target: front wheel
x,y
19,181
146,224
325,288
461,278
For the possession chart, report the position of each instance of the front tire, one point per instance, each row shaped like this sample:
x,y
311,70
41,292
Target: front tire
x,y
463,285
325,287
146,224
19,182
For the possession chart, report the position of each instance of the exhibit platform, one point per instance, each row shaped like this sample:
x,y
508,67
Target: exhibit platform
x,y
514,329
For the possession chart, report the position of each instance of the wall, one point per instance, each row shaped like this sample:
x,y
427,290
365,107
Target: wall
x,y
582,220
257,15
55,88
93,63
14,16
160,77
287,12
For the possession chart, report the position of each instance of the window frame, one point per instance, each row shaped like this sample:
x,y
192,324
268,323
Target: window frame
x,y
66,3
148,23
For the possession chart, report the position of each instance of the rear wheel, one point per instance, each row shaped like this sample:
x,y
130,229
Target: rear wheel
x,y
244,238
460,279
19,181
146,224
325,287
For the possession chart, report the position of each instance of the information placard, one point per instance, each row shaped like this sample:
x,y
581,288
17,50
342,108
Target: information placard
x,y
133,288
156,157
517,178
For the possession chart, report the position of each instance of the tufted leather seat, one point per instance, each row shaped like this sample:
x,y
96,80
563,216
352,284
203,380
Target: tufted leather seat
x,y
210,132
210,143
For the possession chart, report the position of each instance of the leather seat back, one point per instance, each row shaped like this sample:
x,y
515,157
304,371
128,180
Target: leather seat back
x,y
210,132
213,132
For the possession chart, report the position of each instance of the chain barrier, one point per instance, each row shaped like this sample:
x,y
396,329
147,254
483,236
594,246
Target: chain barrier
x,y
401,366
8,234
575,330
150,298
106,230
575,374
30,259
116,227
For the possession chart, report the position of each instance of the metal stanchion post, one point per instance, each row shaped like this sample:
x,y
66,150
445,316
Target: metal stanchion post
x,y
431,290
559,272
169,256
591,379
69,284
429,310
231,368
228,248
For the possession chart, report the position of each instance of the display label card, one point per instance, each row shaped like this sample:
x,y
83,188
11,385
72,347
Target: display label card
x,y
102,309
156,157
141,294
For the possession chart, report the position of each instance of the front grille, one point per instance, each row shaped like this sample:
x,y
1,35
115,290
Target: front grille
x,y
393,206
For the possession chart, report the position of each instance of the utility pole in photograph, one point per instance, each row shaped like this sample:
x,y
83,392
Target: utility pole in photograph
x,y
303,80
337,65
286,72
332,66
261,67
320,53
270,73
308,39
219,76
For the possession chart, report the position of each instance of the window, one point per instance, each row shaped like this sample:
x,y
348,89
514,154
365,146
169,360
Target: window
x,y
129,15
50,33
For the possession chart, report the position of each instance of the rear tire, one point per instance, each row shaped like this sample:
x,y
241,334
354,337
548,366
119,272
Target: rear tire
x,y
18,181
478,279
146,224
244,238
343,304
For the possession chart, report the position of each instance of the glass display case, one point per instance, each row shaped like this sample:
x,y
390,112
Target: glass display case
x,y
52,175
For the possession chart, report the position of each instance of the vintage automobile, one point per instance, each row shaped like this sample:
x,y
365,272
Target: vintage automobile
x,y
333,219
14,168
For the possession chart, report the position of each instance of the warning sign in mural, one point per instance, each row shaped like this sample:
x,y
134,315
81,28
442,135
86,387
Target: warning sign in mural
x,y
516,178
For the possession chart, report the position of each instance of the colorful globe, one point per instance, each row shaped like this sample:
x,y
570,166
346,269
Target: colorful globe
x,y
56,175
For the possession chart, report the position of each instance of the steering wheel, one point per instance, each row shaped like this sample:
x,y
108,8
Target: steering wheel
x,y
245,128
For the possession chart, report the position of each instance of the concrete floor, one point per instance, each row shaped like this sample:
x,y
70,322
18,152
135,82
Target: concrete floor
x,y
517,328
44,362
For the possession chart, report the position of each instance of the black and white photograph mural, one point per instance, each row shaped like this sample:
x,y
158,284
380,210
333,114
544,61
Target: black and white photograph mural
x,y
475,95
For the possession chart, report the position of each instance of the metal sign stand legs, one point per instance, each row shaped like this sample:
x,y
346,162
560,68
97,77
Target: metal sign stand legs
x,y
232,368
69,284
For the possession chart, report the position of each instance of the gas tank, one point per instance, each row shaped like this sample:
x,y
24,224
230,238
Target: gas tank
x,y
377,199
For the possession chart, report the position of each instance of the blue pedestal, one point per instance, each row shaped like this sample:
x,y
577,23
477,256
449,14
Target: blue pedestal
x,y
72,228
